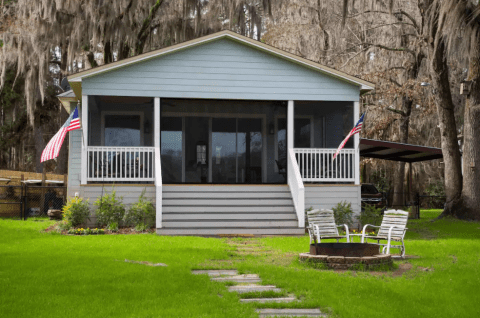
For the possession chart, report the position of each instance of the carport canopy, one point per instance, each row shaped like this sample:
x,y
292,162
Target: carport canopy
x,y
395,151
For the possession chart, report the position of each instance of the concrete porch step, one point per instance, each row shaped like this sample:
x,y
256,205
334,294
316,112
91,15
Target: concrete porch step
x,y
290,313
248,208
237,231
167,216
225,224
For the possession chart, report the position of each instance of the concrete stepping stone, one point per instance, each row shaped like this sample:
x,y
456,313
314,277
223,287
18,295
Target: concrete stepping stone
x,y
253,288
268,300
216,272
290,313
246,278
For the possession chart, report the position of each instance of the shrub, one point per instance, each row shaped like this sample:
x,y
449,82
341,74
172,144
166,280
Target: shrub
x,y
343,213
113,226
110,209
141,214
371,215
63,225
76,212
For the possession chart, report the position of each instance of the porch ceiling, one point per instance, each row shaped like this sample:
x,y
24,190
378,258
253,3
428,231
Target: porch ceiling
x,y
395,151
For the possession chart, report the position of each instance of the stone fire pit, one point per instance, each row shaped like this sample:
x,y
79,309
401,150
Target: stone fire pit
x,y
346,255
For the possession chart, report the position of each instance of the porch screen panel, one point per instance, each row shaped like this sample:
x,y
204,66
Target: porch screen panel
x,y
171,149
122,130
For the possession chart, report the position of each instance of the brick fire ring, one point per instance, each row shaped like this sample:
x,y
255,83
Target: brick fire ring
x,y
345,262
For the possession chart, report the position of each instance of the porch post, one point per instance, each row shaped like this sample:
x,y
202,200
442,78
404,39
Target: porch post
x,y
290,121
356,117
158,165
83,173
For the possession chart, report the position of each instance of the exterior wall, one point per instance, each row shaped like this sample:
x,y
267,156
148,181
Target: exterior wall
x,y
74,162
327,196
130,194
222,69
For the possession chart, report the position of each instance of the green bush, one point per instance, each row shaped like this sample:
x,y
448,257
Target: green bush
x,y
370,215
113,226
141,214
110,209
75,212
343,213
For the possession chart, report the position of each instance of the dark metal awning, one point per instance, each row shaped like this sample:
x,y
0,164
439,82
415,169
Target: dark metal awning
x,y
395,151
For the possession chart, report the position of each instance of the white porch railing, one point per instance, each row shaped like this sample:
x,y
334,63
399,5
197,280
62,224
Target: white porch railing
x,y
296,187
317,164
120,164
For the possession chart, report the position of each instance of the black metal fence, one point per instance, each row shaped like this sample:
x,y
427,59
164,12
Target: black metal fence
x,y
416,202
11,201
28,200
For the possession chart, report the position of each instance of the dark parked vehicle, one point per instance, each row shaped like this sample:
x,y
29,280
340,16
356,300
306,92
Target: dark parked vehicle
x,y
370,195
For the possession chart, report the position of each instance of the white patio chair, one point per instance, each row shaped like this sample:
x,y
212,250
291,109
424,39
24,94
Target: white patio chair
x,y
321,225
393,228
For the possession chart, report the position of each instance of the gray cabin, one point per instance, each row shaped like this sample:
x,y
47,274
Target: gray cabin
x,y
226,135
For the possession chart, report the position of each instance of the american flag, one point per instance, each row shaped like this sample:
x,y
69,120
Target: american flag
x,y
355,130
53,147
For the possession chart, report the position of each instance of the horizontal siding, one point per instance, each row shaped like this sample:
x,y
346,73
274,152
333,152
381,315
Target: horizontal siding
x,y
327,197
74,162
130,195
221,69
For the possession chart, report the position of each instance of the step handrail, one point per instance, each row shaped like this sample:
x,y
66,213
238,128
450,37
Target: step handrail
x,y
158,187
296,186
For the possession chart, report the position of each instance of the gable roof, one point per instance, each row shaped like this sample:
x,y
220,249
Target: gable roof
x,y
76,79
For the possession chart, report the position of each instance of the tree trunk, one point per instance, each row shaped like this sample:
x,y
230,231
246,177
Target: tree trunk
x,y
399,176
448,128
39,146
107,53
470,200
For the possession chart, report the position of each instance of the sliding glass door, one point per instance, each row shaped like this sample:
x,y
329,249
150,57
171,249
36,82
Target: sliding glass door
x,y
237,150
212,150
224,150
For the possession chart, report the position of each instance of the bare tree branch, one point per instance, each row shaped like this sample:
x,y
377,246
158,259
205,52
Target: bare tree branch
x,y
397,49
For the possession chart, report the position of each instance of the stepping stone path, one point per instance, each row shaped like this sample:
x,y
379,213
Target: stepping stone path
x,y
247,283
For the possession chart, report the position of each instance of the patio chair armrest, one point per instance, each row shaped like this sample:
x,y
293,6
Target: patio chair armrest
x,y
365,230
316,231
346,230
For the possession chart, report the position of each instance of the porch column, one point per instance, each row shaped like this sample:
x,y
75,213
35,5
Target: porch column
x,y
83,173
356,117
290,121
158,165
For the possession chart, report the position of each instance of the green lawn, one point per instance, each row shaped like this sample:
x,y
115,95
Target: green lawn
x,y
50,275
